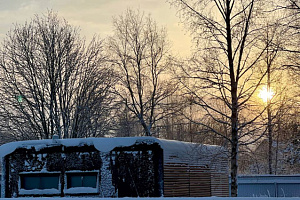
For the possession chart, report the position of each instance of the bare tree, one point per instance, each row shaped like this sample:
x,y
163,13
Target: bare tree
x,y
274,39
291,20
140,51
51,83
223,74
293,6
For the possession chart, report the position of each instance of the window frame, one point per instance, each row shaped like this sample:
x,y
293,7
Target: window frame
x,y
77,190
38,191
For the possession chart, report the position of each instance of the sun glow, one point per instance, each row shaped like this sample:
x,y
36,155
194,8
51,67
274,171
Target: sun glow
x,y
266,94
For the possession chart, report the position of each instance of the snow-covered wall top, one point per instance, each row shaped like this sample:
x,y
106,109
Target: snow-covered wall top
x,y
174,151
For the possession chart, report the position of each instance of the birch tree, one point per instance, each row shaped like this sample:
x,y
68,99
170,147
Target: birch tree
x,y
223,73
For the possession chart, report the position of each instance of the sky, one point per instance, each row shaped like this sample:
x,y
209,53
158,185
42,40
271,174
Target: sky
x,y
95,16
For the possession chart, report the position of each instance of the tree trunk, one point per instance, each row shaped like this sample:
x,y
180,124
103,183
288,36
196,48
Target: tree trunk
x,y
234,165
270,130
270,136
234,105
146,128
234,143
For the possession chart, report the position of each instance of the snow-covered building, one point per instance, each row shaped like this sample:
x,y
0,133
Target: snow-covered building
x,y
113,167
5,138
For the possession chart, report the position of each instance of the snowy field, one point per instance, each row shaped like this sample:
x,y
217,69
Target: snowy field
x,y
179,198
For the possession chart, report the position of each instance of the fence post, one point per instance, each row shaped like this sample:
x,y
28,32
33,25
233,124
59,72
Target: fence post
x,y
276,189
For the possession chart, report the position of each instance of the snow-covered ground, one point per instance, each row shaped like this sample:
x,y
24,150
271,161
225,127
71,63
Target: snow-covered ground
x,y
161,198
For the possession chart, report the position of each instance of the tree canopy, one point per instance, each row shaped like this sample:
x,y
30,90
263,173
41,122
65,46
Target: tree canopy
x,y
52,83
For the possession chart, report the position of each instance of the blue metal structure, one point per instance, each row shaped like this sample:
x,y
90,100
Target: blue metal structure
x,y
269,186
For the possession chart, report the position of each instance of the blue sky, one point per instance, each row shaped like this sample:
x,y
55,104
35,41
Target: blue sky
x,y
95,16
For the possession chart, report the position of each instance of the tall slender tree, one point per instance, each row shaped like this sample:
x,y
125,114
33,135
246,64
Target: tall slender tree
x,y
224,70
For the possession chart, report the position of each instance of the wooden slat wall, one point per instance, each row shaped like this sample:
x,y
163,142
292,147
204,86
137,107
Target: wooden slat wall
x,y
176,180
181,180
219,186
199,181
219,178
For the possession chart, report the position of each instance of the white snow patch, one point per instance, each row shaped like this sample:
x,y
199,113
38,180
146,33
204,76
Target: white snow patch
x,y
38,191
80,190
106,187
173,151
107,144
8,148
160,198
101,144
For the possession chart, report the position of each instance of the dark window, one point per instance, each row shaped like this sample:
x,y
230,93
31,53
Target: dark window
x,y
82,180
39,181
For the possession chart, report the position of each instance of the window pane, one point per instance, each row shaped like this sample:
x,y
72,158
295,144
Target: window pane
x,y
82,180
89,181
74,181
30,182
39,181
49,182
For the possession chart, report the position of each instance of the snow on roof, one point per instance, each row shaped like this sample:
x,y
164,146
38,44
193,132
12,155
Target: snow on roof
x,y
174,151
161,198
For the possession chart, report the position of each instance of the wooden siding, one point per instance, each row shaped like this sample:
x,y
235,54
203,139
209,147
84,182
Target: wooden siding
x,y
219,184
181,180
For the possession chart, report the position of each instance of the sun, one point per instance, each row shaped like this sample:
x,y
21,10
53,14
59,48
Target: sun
x,y
266,94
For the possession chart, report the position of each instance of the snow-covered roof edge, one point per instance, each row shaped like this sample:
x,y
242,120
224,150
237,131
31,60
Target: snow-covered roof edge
x,y
103,144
